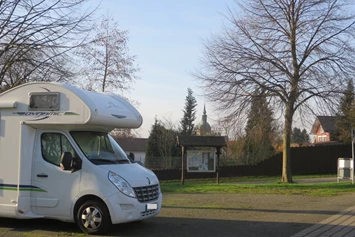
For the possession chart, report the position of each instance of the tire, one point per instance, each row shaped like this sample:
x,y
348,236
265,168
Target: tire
x,y
93,218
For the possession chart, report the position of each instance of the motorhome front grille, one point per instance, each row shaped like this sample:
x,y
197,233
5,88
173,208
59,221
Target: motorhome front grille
x,y
147,193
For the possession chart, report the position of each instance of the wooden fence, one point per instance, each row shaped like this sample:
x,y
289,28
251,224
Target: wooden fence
x,y
304,160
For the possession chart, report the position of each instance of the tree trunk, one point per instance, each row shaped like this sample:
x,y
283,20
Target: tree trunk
x,y
286,157
107,60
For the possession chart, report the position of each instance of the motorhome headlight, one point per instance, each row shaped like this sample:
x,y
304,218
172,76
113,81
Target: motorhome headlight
x,y
121,184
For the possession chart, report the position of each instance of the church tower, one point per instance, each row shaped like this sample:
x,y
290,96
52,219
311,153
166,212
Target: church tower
x,y
204,128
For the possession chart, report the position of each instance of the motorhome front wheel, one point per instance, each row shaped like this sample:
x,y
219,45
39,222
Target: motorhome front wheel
x,y
93,218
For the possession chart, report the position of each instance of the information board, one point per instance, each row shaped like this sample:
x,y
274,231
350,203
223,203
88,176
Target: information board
x,y
201,161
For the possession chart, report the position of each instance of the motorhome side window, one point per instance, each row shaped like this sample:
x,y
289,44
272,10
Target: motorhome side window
x,y
44,101
53,145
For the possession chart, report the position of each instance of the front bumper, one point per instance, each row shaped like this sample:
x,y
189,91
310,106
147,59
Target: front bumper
x,y
126,209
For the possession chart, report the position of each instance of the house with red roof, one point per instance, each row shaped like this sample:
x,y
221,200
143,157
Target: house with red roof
x,y
322,129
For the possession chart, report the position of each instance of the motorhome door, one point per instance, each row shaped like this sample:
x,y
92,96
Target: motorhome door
x,y
58,188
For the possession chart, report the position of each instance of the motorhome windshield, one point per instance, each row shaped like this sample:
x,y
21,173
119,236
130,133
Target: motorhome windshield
x,y
100,148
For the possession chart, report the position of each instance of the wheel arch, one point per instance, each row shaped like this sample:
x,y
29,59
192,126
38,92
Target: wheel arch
x,y
86,198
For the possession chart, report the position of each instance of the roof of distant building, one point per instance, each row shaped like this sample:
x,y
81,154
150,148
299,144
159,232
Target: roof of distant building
x,y
327,123
132,144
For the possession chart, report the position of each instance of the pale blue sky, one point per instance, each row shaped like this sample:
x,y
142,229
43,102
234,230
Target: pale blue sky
x,y
167,38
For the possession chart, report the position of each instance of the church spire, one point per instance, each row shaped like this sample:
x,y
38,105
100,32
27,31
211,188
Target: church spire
x,y
204,116
204,129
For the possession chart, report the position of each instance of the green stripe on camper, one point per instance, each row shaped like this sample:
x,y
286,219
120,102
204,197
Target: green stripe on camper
x,y
22,188
70,114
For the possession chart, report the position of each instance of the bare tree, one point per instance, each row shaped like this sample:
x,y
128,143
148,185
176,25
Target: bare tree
x,y
229,128
124,133
106,62
298,51
35,37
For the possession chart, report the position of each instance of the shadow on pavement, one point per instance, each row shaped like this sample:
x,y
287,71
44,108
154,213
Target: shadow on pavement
x,y
157,226
14,227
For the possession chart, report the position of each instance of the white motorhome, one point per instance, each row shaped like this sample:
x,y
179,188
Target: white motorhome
x,y
58,161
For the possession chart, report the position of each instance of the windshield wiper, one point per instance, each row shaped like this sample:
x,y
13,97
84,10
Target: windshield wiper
x,y
122,161
104,161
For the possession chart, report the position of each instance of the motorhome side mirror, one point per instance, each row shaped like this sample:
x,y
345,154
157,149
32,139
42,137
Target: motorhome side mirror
x,y
76,164
66,161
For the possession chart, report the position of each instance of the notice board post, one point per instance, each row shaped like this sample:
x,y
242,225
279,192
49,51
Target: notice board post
x,y
218,153
183,153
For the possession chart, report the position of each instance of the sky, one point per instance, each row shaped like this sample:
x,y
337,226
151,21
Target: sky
x,y
167,37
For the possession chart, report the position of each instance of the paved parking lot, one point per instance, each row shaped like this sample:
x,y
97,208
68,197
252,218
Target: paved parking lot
x,y
340,225
220,215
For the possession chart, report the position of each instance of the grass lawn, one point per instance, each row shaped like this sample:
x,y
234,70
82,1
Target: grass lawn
x,y
234,185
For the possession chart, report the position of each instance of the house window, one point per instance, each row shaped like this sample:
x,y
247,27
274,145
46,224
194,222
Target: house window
x,y
322,138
